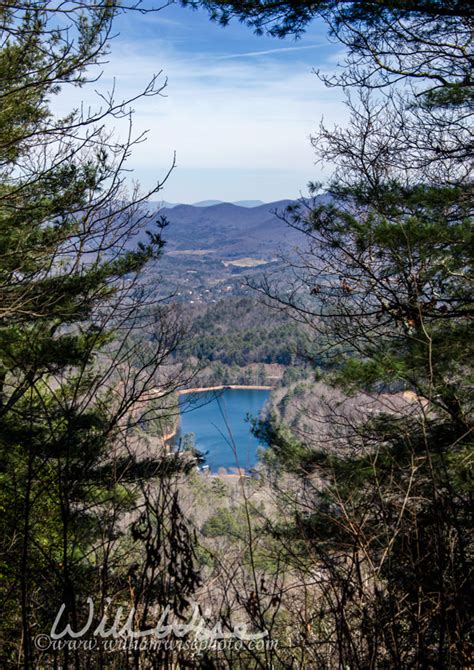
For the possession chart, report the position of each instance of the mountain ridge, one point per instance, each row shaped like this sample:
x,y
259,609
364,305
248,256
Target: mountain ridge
x,y
227,229
212,252
207,203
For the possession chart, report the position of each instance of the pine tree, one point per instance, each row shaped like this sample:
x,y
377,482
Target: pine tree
x,y
73,380
385,283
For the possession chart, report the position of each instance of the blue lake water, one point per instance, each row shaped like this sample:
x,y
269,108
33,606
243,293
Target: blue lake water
x,y
221,431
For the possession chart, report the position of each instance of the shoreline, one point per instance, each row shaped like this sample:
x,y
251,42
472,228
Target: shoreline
x,y
227,387
169,436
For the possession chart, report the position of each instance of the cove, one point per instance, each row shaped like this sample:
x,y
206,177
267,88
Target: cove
x,y
216,421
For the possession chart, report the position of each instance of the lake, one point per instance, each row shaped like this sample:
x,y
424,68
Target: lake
x,y
218,421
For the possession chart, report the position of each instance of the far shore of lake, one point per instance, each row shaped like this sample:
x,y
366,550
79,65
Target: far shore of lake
x,y
226,387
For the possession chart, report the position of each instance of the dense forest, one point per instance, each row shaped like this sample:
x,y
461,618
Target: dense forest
x,y
241,340
351,544
241,331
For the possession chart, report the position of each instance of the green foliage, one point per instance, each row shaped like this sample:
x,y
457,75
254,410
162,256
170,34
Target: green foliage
x,y
224,522
240,331
285,451
387,519
69,291
283,17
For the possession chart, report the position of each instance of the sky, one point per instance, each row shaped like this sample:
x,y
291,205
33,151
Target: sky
x,y
238,109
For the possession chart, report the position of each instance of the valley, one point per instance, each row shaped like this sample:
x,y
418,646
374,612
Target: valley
x,y
213,251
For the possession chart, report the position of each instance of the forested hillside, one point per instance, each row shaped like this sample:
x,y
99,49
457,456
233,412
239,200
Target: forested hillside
x,y
240,340
242,331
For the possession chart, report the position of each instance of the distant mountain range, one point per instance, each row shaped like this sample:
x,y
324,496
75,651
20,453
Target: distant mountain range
x,y
211,249
208,203
229,231
239,203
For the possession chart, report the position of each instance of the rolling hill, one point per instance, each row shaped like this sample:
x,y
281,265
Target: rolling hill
x,y
212,250
229,231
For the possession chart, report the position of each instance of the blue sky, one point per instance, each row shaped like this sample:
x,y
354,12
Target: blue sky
x,y
238,109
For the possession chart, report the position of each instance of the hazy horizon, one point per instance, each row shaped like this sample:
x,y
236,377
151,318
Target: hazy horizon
x,y
237,109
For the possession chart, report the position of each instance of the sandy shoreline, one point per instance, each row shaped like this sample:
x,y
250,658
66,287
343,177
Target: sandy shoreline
x,y
169,436
226,387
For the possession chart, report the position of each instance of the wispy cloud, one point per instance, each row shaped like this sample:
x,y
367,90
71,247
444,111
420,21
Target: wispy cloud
x,y
267,52
240,123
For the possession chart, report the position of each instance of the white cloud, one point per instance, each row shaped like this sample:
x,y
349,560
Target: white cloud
x,y
266,52
219,113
